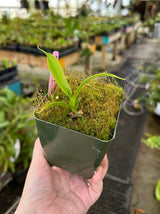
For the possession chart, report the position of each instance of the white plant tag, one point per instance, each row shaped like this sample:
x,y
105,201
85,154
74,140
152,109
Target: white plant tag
x,y
17,147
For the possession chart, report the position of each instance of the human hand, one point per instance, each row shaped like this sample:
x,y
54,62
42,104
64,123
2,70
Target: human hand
x,y
49,190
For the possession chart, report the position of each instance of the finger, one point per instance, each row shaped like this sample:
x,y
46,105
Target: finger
x,y
104,165
100,171
38,155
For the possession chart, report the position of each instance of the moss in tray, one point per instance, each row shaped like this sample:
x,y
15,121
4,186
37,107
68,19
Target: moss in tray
x,y
97,111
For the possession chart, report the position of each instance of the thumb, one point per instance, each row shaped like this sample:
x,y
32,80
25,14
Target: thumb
x,y
38,157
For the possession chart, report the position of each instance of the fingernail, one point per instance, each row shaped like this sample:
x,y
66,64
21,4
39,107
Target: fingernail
x,y
88,183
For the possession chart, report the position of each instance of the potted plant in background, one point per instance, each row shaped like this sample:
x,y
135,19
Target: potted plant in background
x,y
153,141
78,119
44,5
25,4
151,76
37,4
8,70
17,134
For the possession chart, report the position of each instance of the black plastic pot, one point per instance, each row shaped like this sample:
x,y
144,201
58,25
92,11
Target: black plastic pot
x,y
24,4
70,150
44,5
106,33
67,50
28,49
8,74
62,52
37,4
11,47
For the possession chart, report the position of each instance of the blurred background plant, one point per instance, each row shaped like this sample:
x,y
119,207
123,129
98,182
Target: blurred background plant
x,y
153,141
17,131
151,76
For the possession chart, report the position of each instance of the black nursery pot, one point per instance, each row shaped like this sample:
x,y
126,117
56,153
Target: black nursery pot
x,y
37,4
45,5
71,150
24,4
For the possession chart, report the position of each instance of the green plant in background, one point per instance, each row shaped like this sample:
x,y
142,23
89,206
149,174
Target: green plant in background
x,y
153,141
157,191
151,77
14,63
59,76
84,10
5,18
6,64
16,123
20,31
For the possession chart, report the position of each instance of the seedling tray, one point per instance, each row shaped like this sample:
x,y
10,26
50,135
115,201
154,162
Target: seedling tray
x,y
10,47
33,49
62,52
8,74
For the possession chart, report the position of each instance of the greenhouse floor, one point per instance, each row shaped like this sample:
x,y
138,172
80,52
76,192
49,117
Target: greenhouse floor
x,y
146,172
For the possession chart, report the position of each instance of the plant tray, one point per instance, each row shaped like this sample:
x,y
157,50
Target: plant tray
x,y
8,74
9,47
33,50
105,33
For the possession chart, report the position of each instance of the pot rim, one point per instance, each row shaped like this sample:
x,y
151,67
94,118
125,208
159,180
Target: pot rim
x,y
104,141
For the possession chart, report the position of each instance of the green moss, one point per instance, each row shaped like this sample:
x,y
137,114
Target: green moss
x,y
100,103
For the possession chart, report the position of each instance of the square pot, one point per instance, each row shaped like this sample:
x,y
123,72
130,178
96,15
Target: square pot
x,y
71,150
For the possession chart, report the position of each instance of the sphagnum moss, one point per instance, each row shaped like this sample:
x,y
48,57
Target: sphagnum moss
x,y
99,105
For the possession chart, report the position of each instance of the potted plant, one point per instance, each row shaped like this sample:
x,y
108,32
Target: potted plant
x,y
37,4
17,133
25,4
151,76
76,125
44,5
8,70
153,141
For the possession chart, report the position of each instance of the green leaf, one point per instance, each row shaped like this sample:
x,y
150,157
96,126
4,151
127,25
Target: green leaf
x,y
6,165
157,191
2,116
58,74
153,141
21,125
77,102
4,124
72,103
4,101
12,166
55,103
11,96
6,63
31,122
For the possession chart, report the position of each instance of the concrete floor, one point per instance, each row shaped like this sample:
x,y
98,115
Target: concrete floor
x,y
146,170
